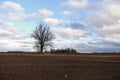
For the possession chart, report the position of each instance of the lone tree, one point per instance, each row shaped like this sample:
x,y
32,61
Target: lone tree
x,y
43,37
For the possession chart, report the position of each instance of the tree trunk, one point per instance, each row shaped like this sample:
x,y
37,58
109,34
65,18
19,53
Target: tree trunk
x,y
41,49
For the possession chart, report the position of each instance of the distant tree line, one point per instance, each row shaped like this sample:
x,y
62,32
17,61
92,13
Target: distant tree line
x,y
66,50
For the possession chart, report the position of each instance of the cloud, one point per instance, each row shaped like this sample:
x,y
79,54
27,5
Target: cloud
x,y
14,11
112,6
67,12
76,4
13,39
52,21
105,12
104,46
11,10
104,23
14,45
9,30
9,26
42,13
110,32
45,12
77,25
68,33
5,33
63,43
11,5
99,18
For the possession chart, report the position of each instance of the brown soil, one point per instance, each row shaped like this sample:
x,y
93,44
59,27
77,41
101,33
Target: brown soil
x,y
78,67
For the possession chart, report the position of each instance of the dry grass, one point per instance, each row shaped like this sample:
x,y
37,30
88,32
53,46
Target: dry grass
x,y
59,67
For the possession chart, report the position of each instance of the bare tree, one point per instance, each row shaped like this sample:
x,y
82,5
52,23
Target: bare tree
x,y
43,37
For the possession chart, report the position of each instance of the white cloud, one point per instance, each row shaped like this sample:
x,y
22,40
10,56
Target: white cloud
x,y
106,12
67,12
45,12
13,39
104,21
12,5
42,13
52,21
11,10
4,33
64,43
68,33
9,30
110,32
113,7
9,26
13,45
17,15
76,4
99,18
14,11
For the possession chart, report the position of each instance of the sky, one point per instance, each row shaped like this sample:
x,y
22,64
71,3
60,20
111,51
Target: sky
x,y
85,25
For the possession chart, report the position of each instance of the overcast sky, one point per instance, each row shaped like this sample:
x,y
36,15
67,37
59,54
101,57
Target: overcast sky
x,y
85,25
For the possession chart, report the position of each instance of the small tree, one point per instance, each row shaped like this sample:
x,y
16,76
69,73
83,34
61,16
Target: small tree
x,y
43,37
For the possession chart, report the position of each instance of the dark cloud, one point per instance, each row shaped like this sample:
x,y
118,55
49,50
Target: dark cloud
x,y
104,46
76,25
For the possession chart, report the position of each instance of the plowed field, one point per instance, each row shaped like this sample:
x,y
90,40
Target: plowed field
x,y
59,67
